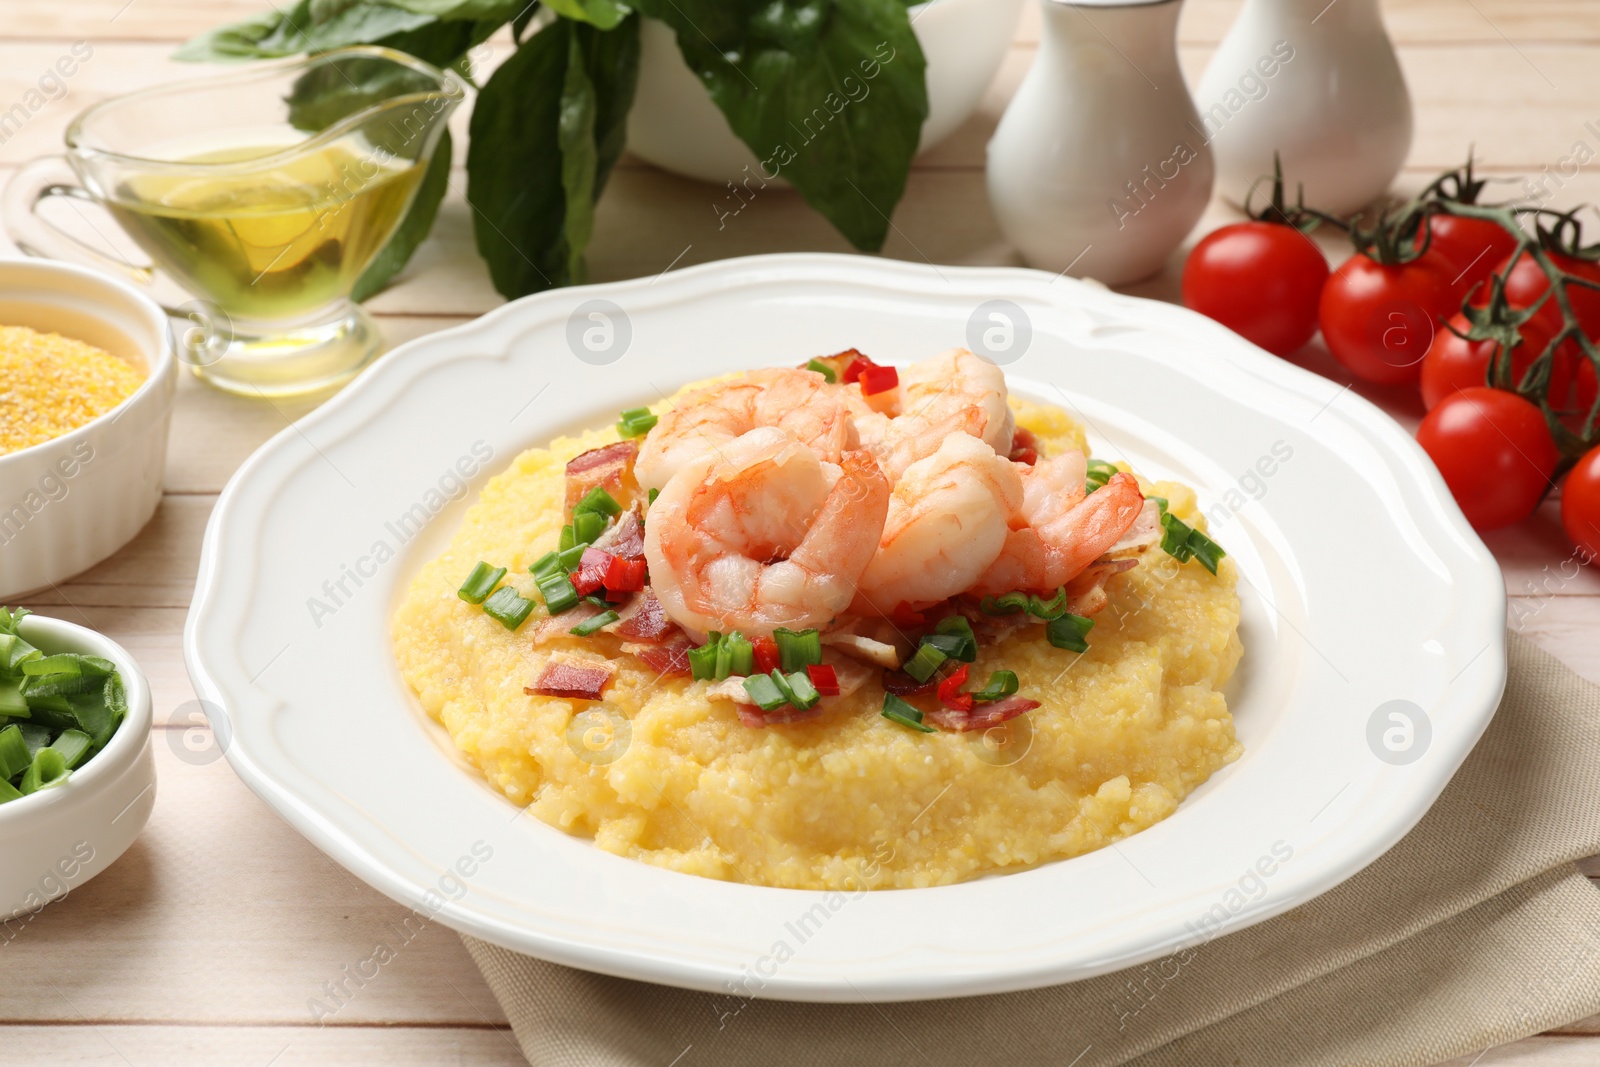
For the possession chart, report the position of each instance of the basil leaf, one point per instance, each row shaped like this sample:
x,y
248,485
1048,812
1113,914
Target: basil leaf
x,y
606,14
546,130
413,228
829,94
287,33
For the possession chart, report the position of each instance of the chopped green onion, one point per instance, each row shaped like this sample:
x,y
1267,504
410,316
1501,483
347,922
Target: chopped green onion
x,y
47,768
797,649
1009,604
897,710
703,660
480,583
925,662
741,654
557,562
764,693
1069,632
508,608
14,754
1054,608
35,736
12,703
73,745
566,540
589,626
636,422
1099,474
783,685
1001,684
724,668
650,498
557,590
1175,538
954,637
822,369
587,525
598,500
8,792
804,695
1207,551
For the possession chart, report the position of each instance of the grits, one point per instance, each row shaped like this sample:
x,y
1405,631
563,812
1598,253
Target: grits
x,y
1126,731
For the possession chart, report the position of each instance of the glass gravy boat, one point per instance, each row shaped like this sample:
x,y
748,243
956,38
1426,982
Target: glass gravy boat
x,y
264,193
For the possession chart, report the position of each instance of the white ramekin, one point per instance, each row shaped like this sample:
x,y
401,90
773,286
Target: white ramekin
x,y
70,502
56,839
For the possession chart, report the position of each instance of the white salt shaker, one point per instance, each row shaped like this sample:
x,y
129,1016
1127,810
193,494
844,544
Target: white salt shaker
x,y
1098,167
1335,106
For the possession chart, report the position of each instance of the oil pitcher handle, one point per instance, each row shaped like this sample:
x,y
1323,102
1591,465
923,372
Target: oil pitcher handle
x,y
31,186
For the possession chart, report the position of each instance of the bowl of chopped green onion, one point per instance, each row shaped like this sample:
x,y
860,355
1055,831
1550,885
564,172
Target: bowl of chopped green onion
x,y
77,776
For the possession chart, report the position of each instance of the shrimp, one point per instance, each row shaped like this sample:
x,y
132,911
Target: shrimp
x,y
953,392
947,522
1063,531
763,533
799,401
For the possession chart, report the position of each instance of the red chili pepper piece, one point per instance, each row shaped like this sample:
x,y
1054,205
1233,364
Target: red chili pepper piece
x,y
824,679
876,380
766,654
592,569
854,369
950,694
625,575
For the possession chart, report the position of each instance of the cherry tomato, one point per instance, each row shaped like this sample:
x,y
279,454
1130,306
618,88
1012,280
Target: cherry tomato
x,y
1494,451
1473,247
1262,280
1453,364
1572,379
1379,319
1580,505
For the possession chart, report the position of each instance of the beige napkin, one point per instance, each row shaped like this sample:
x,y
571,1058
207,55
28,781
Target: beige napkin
x,y
1474,930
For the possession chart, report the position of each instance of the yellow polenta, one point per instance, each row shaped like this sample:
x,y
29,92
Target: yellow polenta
x,y
1126,730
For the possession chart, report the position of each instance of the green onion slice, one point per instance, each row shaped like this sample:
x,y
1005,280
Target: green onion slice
x,y
798,649
741,654
480,583
1207,551
589,626
8,792
73,745
1009,604
650,498
636,422
922,665
783,686
954,637
703,660
764,693
14,754
1099,474
1054,608
1069,632
47,768
12,703
587,526
508,608
897,710
598,500
1001,684
822,369
803,694
557,590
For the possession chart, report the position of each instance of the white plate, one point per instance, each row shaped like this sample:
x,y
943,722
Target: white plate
x,y
1361,585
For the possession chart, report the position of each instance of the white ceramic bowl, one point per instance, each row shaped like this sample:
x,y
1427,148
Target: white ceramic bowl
x,y
70,502
675,125
57,839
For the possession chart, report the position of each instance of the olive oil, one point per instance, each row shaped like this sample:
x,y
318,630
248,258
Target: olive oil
x,y
272,242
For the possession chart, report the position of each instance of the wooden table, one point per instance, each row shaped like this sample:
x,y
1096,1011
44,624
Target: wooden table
x,y
206,942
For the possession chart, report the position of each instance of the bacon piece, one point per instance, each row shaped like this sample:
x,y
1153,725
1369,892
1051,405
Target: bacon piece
x,y
1142,535
755,718
609,468
981,717
558,626
670,660
625,537
902,684
644,619
572,676
1086,594
864,648
852,674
